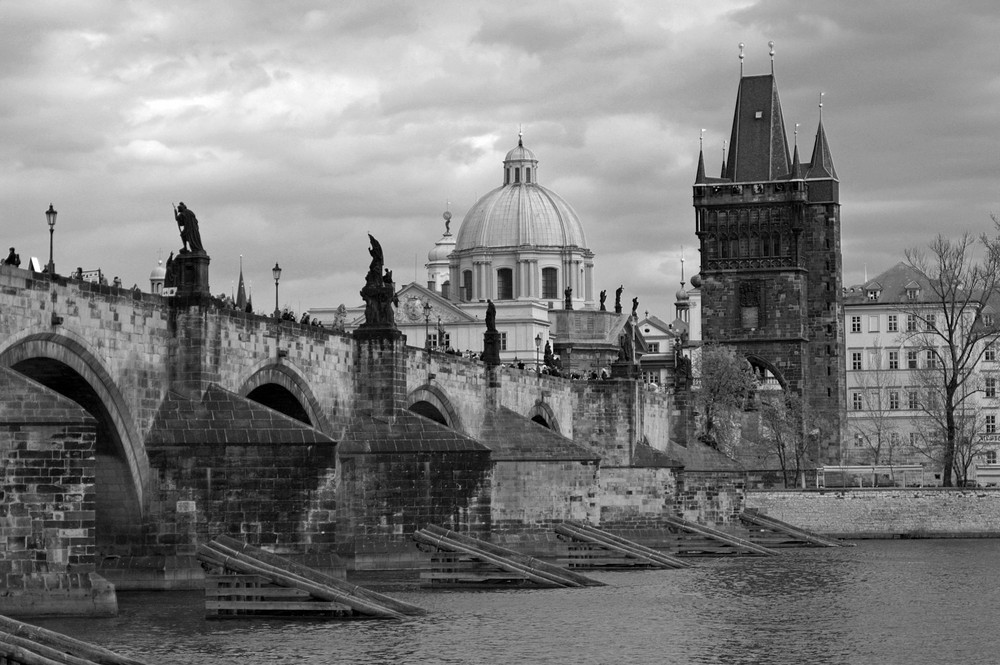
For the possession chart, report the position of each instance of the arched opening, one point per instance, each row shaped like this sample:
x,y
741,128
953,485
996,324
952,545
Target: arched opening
x,y
118,510
541,421
428,410
280,399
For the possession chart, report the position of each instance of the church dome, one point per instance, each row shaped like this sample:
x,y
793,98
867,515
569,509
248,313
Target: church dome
x,y
520,212
158,273
682,295
443,247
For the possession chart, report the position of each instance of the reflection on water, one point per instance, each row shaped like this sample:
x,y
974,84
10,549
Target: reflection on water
x,y
886,602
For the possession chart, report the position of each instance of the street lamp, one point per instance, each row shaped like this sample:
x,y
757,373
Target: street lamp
x,y
50,217
427,325
276,272
538,347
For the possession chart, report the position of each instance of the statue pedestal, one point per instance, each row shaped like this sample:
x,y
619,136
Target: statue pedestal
x,y
624,369
491,347
191,274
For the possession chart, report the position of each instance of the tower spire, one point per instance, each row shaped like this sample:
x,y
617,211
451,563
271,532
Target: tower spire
x,y
741,59
771,45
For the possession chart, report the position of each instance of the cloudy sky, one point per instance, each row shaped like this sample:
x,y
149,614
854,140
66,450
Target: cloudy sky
x,y
293,129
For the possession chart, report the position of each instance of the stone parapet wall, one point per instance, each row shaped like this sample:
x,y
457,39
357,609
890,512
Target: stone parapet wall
x,y
886,513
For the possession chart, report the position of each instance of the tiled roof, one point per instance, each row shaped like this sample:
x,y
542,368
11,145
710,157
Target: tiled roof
x,y
892,285
223,418
511,436
758,150
404,432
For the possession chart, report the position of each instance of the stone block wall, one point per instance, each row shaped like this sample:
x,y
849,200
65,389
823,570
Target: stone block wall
x,y
606,419
633,498
537,494
385,497
268,495
712,498
886,513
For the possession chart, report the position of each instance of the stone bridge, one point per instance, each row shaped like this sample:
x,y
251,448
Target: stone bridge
x,y
210,420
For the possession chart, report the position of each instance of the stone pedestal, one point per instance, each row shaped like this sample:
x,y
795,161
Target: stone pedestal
x,y
190,274
624,369
491,347
380,364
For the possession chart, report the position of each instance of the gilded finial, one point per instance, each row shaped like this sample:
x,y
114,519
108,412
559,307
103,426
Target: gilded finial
x,y
701,139
741,58
771,45
520,133
821,105
796,134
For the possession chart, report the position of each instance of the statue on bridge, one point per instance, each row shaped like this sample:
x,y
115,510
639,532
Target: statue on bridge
x,y
604,296
187,223
618,299
379,292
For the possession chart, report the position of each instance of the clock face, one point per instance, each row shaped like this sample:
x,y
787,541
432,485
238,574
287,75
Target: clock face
x,y
413,308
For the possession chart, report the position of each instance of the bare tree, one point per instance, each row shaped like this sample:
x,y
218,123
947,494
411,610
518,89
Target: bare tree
x,y
957,327
790,431
726,382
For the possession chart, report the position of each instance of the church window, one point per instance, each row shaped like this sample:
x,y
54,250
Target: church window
x,y
517,176
527,175
550,283
467,285
506,178
505,284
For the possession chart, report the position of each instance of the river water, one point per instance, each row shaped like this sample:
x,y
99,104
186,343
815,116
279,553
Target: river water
x,y
885,602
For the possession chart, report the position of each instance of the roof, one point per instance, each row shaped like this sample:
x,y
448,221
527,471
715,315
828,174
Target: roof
x,y
821,165
520,213
224,418
758,149
892,286
405,432
512,437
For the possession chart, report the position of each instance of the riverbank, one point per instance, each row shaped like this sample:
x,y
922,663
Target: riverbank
x,y
865,513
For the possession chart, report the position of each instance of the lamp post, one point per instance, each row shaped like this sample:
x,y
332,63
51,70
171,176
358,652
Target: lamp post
x,y
538,347
427,326
50,217
276,272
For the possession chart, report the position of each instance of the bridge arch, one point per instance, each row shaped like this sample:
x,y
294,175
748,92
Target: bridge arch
x,y
432,402
282,387
543,414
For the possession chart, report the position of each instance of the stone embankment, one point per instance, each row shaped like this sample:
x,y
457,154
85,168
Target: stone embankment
x,y
886,513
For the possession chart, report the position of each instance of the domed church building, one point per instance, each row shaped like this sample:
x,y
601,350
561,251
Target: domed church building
x,y
523,248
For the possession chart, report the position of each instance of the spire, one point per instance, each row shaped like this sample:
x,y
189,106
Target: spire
x,y
797,172
821,165
723,174
241,292
699,177
758,149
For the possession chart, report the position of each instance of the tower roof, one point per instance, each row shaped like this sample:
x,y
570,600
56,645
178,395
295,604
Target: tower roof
x,y
821,165
758,150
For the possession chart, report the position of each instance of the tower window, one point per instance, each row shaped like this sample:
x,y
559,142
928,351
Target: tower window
x,y
527,175
505,284
517,176
550,283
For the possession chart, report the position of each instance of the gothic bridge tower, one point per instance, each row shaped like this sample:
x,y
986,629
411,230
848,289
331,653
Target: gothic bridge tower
x,y
769,234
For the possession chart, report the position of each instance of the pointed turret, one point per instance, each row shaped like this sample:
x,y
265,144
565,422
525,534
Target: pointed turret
x,y
699,178
821,165
758,150
798,173
241,292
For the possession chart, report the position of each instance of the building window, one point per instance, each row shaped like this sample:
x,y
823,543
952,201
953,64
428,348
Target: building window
x,y
857,403
855,324
913,439
894,360
911,323
911,360
873,324
991,424
517,176
894,439
527,175
505,284
439,341
503,341
893,400
930,322
990,386
991,457
893,323
855,360
654,347
988,320
990,355
931,358
550,283
911,294
859,440
467,285
873,294
912,401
